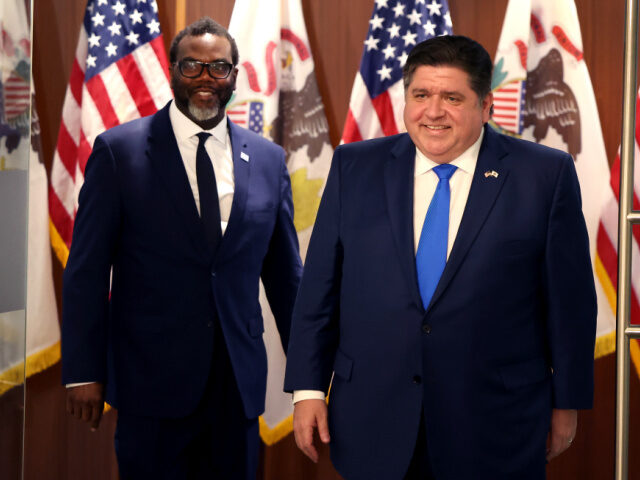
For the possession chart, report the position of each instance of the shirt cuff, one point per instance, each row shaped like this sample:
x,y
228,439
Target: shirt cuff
x,y
299,395
71,385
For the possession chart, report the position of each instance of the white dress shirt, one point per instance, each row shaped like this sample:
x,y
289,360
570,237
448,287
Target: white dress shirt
x,y
218,147
424,186
426,181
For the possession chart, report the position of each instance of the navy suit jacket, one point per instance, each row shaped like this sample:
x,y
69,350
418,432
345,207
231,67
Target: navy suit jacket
x,y
150,340
508,335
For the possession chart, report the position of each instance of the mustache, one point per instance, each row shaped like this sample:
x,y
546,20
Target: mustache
x,y
206,88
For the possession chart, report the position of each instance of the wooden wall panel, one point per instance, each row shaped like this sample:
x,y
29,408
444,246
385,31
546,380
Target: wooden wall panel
x,y
603,43
58,447
11,433
167,18
55,36
336,35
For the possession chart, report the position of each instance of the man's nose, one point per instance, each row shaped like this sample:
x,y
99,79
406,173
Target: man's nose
x,y
434,108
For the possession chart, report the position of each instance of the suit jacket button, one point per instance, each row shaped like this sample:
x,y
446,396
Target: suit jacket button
x,y
417,379
209,324
426,328
213,274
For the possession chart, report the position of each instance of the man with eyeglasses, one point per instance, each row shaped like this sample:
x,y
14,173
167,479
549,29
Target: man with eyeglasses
x,y
180,215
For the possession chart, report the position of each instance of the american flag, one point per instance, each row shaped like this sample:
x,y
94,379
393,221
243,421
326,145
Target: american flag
x,y
249,114
120,73
607,243
377,98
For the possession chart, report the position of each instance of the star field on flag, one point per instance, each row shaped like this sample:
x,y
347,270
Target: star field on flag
x,y
397,27
377,97
116,30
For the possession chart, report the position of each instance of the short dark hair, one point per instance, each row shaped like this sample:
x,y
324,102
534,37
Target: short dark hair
x,y
200,27
453,51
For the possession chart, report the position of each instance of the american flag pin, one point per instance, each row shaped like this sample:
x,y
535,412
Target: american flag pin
x,y
490,173
244,156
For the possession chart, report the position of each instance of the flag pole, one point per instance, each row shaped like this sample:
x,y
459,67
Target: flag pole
x,y
626,217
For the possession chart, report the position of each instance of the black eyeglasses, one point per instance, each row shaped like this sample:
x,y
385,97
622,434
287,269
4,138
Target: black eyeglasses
x,y
193,68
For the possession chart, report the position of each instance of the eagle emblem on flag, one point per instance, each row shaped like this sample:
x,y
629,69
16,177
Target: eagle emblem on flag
x,y
542,100
15,91
549,102
301,120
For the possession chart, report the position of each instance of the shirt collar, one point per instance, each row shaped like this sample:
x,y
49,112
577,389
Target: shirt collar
x,y
465,162
184,128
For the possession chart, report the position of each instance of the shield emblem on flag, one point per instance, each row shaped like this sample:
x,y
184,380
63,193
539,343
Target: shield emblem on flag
x,y
508,101
248,114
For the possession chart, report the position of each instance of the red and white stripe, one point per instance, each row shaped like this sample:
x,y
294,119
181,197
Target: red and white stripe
x,y
16,96
507,102
372,118
239,114
135,86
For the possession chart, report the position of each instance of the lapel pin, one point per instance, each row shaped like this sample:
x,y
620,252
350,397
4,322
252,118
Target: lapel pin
x,y
244,156
490,173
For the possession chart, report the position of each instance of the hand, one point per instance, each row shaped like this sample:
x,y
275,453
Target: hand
x,y
86,402
307,416
563,430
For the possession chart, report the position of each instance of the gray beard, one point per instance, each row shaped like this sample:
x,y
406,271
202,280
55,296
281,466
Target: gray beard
x,y
202,114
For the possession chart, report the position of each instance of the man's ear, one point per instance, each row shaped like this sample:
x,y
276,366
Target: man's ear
x,y
487,107
234,72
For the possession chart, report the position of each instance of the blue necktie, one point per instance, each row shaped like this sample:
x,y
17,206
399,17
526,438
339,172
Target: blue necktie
x,y
208,191
432,248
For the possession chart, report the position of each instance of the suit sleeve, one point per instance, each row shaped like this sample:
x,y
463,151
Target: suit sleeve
x,y
86,277
282,267
570,295
314,330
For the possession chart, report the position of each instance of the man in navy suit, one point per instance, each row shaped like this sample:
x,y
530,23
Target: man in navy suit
x,y
456,352
185,212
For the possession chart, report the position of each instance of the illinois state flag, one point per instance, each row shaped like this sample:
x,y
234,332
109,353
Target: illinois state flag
x,y
19,159
120,73
542,92
277,96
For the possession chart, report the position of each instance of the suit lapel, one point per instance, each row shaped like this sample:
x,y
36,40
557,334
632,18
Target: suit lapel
x,y
164,154
241,168
399,181
482,197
